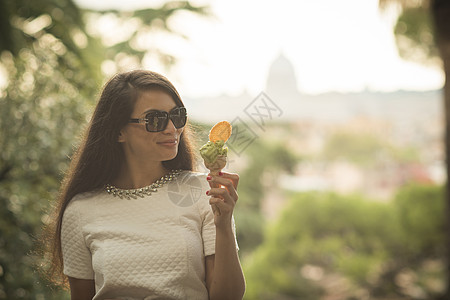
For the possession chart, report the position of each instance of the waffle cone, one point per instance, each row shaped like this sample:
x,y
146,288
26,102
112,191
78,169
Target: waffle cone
x,y
217,166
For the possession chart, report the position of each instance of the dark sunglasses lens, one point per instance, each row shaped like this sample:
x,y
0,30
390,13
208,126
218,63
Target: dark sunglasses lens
x,y
157,121
178,117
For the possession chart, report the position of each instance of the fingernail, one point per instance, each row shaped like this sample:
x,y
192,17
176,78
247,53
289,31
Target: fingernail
x,y
220,173
207,192
208,178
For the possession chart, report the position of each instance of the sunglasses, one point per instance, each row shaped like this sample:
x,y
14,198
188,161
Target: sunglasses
x,y
157,120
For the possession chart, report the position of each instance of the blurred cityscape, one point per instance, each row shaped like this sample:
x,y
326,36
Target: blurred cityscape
x,y
399,135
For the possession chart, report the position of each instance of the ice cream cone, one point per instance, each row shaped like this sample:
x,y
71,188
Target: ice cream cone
x,y
214,169
214,153
217,166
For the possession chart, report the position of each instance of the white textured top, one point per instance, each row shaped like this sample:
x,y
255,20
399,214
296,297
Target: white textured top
x,y
145,248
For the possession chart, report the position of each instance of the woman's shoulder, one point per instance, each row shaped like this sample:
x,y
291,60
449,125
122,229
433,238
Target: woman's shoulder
x,y
87,195
84,198
78,206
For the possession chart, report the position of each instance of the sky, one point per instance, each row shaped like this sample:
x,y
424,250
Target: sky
x,y
344,46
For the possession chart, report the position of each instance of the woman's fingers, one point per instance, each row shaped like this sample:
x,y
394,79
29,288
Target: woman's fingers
x,y
216,201
215,209
221,193
230,176
216,181
220,206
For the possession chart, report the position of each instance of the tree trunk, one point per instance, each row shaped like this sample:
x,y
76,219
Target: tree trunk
x,y
440,10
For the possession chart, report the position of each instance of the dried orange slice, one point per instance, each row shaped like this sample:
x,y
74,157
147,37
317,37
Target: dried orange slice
x,y
220,131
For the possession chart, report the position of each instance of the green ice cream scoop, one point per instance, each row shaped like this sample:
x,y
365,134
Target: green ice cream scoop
x,y
211,150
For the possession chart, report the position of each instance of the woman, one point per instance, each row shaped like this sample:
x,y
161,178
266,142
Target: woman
x,y
124,228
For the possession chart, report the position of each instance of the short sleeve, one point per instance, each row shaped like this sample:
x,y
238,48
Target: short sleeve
x,y
77,257
208,226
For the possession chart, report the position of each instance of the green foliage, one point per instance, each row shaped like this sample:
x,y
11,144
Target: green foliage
x,y
20,219
264,158
52,69
414,34
42,110
266,161
419,211
414,30
250,226
50,26
367,246
145,21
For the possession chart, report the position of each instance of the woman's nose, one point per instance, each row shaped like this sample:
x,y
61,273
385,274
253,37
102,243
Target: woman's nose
x,y
170,128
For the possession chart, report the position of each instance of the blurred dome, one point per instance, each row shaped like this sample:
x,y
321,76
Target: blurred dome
x,y
282,80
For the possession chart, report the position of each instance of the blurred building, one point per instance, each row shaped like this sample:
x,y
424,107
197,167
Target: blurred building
x,y
281,82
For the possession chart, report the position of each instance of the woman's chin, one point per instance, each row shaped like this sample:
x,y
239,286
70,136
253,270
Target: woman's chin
x,y
170,156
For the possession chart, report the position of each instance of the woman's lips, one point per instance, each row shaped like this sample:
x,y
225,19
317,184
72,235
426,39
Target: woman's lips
x,y
168,143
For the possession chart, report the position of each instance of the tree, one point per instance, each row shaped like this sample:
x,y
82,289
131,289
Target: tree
x,y
41,110
348,247
419,21
141,25
52,69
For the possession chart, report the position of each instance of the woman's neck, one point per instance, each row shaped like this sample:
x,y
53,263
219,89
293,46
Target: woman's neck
x,y
136,175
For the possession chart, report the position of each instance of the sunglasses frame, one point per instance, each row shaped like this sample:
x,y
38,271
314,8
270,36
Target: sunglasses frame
x,y
167,116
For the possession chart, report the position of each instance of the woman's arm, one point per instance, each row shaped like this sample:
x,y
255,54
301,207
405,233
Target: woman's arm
x,y
224,276
81,289
224,282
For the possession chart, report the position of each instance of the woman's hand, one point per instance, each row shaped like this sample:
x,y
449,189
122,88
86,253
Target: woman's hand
x,y
223,196
224,276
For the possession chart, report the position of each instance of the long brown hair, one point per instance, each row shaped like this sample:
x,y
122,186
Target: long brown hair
x,y
98,158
